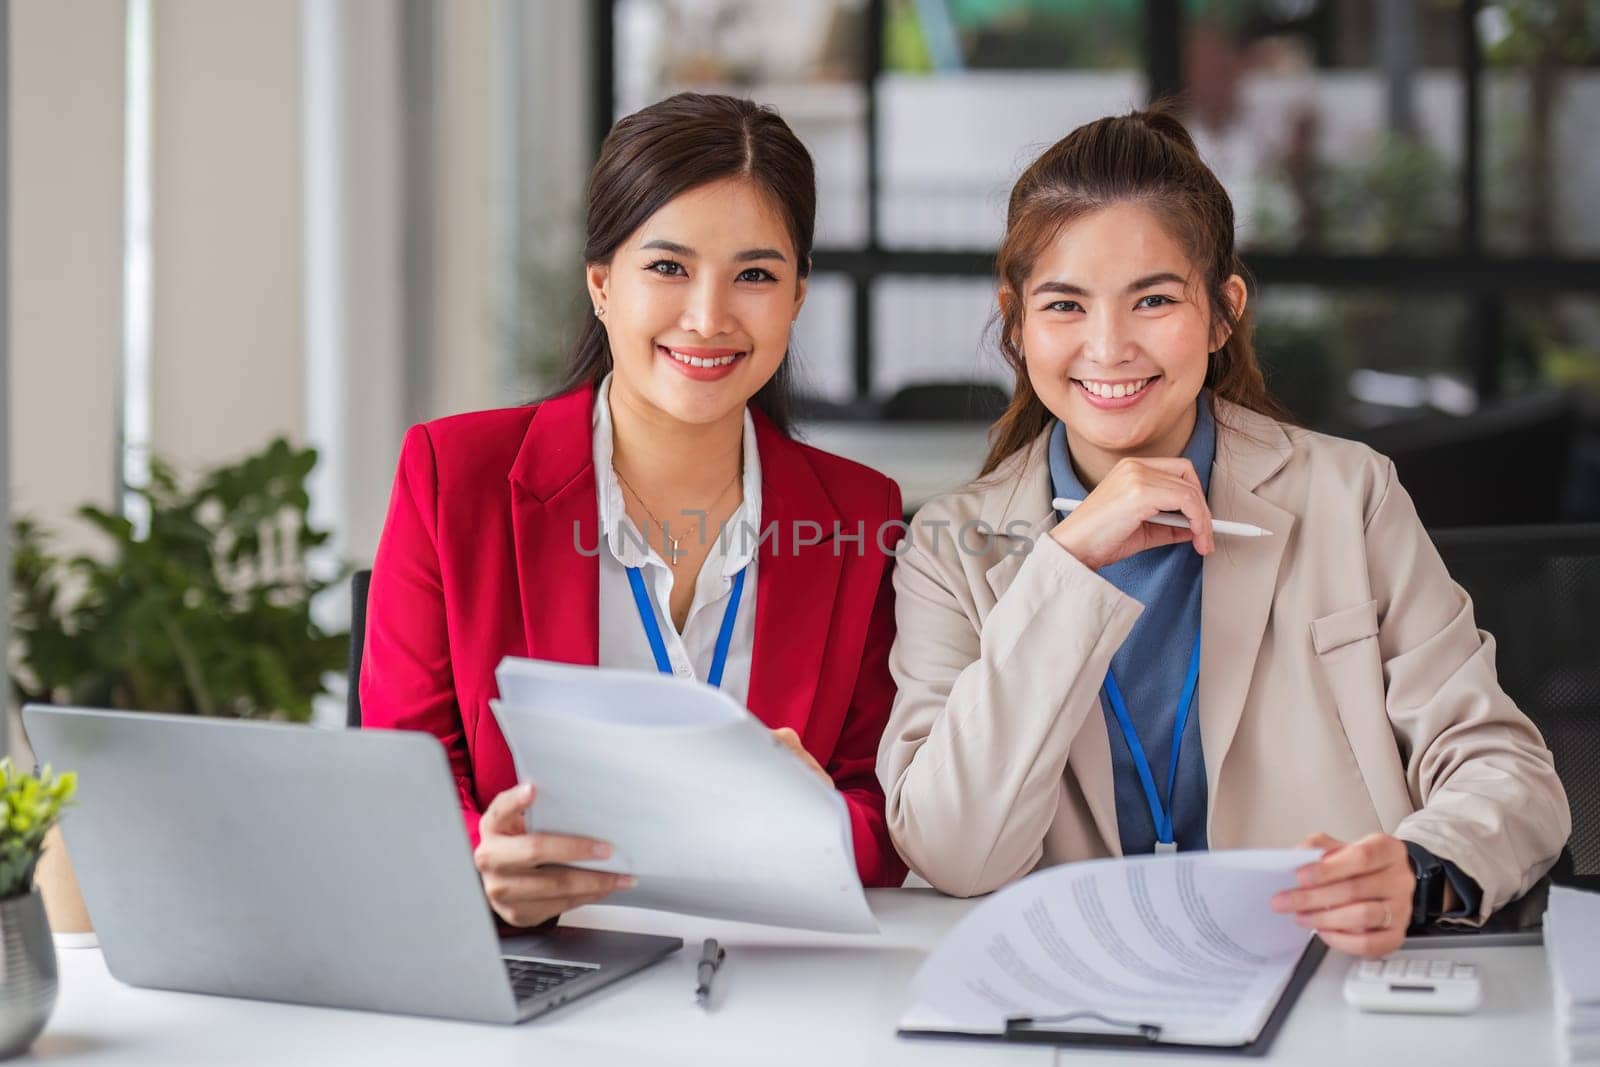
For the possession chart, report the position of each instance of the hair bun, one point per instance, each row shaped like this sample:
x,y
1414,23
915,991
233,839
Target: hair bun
x,y
1164,118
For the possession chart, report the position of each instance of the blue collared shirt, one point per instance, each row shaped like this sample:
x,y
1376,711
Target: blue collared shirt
x,y
1151,664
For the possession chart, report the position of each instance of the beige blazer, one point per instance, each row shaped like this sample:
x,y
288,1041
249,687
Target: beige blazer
x,y
1343,684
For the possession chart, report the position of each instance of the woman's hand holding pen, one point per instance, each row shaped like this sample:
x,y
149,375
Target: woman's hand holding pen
x,y
522,873
1357,897
1110,523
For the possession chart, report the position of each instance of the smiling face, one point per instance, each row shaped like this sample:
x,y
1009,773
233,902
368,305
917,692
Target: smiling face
x,y
1116,332
698,302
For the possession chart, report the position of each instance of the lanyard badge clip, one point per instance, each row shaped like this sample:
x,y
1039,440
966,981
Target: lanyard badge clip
x,y
1160,814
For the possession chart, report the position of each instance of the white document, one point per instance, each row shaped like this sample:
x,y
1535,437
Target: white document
x,y
1187,942
700,803
1572,943
1572,950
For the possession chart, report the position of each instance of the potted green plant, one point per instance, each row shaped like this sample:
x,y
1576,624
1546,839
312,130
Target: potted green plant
x,y
202,608
30,804
206,610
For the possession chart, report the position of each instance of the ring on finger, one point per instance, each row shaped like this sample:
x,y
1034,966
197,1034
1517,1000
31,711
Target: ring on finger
x,y
1388,917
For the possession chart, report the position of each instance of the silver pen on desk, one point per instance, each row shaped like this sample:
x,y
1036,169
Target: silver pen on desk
x,y
711,957
1167,518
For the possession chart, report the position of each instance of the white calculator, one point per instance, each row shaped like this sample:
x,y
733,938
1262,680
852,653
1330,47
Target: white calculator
x,y
1413,984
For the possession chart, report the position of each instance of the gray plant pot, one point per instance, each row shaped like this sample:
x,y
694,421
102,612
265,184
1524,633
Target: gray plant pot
x,y
27,972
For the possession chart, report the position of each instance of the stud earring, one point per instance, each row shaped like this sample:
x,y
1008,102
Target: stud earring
x,y
599,312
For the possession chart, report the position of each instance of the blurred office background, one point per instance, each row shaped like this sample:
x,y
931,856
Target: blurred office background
x,y
328,219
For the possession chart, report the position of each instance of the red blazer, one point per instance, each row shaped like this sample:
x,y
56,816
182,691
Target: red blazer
x,y
479,559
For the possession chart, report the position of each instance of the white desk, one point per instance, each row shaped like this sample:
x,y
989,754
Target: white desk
x,y
782,998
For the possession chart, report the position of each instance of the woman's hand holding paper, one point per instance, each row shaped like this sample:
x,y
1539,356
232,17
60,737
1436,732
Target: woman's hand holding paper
x,y
1357,897
791,741
522,873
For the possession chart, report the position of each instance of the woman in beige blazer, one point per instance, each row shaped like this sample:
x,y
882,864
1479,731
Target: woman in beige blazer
x,y
1345,699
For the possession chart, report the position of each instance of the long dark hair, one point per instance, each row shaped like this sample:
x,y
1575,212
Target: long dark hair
x,y
1148,157
663,151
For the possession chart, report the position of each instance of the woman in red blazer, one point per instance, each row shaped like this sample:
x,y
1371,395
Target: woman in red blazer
x,y
544,530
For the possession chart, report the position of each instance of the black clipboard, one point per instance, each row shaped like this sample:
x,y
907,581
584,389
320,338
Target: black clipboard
x,y
1144,1038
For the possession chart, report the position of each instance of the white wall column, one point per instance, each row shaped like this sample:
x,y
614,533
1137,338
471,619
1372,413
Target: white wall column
x,y
5,357
63,156
462,360
355,298
228,343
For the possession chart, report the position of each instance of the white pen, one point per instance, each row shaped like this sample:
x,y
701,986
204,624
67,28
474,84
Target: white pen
x,y
1168,518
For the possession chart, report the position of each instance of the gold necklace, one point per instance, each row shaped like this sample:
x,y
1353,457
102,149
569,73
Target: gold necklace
x,y
665,537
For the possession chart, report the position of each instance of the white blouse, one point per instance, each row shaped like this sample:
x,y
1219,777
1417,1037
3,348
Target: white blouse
x,y
623,641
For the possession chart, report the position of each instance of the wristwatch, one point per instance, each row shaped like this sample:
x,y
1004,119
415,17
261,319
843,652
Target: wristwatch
x,y
1427,901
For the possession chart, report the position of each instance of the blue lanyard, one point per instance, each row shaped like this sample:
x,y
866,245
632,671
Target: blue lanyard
x,y
1158,812
652,629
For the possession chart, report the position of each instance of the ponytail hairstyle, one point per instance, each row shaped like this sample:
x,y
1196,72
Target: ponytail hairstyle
x,y
1146,157
660,152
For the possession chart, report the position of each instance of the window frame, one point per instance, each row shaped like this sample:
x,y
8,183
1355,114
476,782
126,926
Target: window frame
x,y
1489,278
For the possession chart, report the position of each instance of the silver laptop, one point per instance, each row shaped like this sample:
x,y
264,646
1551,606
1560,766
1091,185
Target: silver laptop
x,y
289,863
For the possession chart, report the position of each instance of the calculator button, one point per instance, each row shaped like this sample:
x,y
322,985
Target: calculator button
x,y
1466,970
1370,969
1439,969
1394,969
1416,968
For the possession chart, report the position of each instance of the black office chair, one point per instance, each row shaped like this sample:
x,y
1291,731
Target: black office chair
x,y
359,581
1523,446
1537,590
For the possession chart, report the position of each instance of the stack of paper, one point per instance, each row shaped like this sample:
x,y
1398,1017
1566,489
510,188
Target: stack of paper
x,y
1572,945
1182,948
700,803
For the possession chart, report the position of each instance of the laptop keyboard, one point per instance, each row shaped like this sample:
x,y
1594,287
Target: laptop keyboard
x,y
532,978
